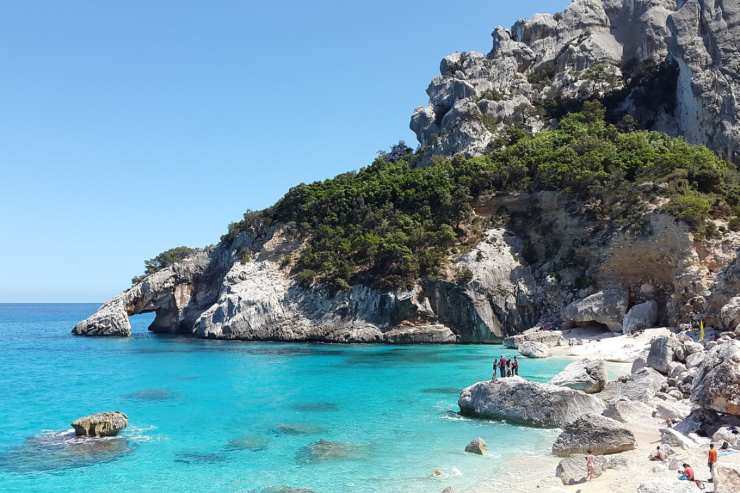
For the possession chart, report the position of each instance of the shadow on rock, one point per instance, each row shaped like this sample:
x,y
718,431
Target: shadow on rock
x,y
326,451
254,443
62,450
151,395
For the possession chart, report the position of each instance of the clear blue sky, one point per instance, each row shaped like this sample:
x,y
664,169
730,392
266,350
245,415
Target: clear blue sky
x,y
131,127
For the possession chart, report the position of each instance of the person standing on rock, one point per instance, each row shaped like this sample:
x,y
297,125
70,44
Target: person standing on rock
x,y
711,459
515,366
502,366
508,367
495,368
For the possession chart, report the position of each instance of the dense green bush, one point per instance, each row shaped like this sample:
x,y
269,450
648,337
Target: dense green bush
x,y
164,259
393,221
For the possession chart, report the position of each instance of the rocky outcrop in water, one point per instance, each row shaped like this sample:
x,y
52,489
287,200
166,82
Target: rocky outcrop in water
x,y
520,401
106,424
672,65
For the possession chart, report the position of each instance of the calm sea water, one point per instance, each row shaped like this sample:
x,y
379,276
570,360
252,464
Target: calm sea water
x,y
233,416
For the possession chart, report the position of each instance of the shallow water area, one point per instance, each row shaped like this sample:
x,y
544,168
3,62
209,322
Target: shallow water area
x,y
240,416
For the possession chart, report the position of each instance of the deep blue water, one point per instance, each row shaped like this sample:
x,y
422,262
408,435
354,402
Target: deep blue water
x,y
237,416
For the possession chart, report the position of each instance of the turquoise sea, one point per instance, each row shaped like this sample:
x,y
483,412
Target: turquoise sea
x,y
237,416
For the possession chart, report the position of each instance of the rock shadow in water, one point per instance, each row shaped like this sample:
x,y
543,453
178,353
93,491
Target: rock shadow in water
x,y
282,489
441,390
316,407
254,443
401,357
151,395
62,450
328,451
194,458
298,429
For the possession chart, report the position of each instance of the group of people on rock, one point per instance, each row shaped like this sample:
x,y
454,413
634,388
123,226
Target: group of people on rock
x,y
506,367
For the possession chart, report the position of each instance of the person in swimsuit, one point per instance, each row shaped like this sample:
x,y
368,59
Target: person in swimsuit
x,y
502,366
590,469
495,368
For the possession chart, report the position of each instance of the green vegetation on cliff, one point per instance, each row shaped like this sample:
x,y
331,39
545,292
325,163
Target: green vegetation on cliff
x,y
393,221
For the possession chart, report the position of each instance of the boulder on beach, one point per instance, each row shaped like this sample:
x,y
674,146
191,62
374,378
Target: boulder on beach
x,y
717,383
585,375
627,411
730,314
520,401
572,470
731,435
667,485
106,424
549,338
477,446
532,349
641,386
641,316
663,351
674,438
605,307
594,432
727,479
675,410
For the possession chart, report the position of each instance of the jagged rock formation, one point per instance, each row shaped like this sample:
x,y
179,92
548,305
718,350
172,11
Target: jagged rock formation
x,y
671,65
106,424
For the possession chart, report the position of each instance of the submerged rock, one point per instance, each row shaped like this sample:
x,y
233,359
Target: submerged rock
x,y
532,349
586,375
326,450
105,424
254,443
61,451
593,432
298,429
282,489
520,401
477,446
